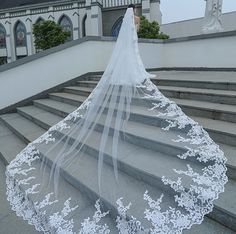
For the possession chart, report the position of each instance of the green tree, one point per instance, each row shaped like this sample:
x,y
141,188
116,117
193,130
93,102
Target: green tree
x,y
48,34
150,30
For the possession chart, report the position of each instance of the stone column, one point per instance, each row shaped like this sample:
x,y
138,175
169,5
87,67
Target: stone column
x,y
155,12
10,41
29,34
146,9
75,21
96,18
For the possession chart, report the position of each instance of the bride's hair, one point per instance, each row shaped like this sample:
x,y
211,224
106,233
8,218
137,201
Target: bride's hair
x,y
131,6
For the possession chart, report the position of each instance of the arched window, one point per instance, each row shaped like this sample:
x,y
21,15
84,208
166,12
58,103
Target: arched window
x,y
39,20
20,34
116,27
84,26
66,24
2,36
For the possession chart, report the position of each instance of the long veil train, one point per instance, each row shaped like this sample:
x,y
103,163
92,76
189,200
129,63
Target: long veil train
x,y
105,169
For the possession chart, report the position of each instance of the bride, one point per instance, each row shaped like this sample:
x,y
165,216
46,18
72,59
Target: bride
x,y
102,169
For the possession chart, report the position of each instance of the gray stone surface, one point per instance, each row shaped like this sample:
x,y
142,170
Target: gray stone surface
x,y
8,149
23,128
32,121
68,98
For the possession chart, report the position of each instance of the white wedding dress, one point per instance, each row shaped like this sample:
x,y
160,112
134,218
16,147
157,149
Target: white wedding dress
x,y
95,172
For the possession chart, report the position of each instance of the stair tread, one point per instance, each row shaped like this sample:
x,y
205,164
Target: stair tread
x,y
216,125
66,190
35,112
224,202
221,126
7,140
198,90
25,127
206,105
86,172
31,131
208,224
87,89
69,96
221,203
56,104
88,82
217,92
206,76
186,102
188,79
229,152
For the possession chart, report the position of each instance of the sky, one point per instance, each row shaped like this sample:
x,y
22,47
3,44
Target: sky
x,y
177,10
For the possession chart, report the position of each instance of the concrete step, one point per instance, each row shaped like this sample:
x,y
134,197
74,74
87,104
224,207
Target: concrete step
x,y
152,138
83,174
137,166
208,95
67,188
87,83
224,211
26,130
197,79
207,84
42,118
148,137
94,77
187,83
216,128
201,94
222,132
71,99
190,107
10,144
29,131
46,112
229,152
208,224
219,131
83,91
55,107
207,109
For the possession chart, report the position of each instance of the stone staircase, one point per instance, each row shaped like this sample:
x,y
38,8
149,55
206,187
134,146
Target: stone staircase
x,y
210,102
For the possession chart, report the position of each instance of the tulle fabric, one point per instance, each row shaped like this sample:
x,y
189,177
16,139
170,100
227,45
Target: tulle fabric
x,y
105,169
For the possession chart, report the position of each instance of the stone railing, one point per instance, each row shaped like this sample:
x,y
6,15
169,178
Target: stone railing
x,y
63,7
40,8
117,3
34,74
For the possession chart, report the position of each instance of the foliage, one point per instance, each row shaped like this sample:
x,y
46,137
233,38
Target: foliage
x,y
150,30
48,34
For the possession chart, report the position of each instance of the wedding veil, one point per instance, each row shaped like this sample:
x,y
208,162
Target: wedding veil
x,y
128,160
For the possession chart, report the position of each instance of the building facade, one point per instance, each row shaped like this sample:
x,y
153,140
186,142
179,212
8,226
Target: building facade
x,y
80,17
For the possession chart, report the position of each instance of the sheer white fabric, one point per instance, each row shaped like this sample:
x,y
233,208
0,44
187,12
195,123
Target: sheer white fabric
x,y
102,169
